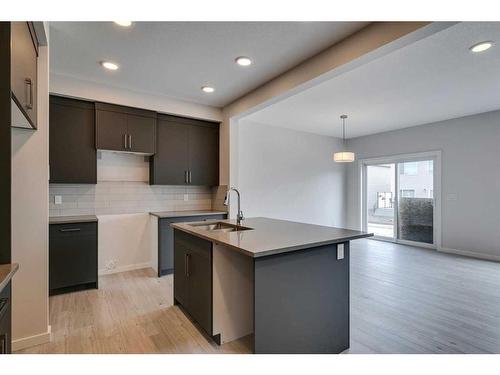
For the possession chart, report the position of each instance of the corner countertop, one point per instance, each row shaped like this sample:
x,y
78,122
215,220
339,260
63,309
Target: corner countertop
x,y
6,272
166,214
72,219
271,236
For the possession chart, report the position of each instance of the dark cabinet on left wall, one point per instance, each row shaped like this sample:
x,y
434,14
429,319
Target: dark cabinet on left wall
x,y
24,55
72,255
72,153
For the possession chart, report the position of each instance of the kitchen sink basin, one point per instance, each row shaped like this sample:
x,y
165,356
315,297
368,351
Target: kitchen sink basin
x,y
220,227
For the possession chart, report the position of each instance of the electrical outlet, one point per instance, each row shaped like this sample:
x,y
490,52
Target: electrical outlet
x,y
57,199
111,264
340,251
186,197
452,197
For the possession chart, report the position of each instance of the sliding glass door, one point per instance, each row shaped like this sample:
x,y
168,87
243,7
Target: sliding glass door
x,y
415,208
380,199
399,199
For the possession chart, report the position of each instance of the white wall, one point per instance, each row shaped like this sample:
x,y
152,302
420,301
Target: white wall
x,y
30,211
74,87
124,242
286,174
470,172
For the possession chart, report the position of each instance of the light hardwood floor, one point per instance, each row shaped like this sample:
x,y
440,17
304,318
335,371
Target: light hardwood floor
x,y
403,300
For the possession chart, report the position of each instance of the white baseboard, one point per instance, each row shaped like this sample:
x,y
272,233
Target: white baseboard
x,y
471,254
27,342
129,267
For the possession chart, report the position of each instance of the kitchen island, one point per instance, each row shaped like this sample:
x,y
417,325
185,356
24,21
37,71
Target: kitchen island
x,y
287,283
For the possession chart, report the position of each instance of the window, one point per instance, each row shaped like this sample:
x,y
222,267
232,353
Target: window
x,y
430,166
407,193
409,168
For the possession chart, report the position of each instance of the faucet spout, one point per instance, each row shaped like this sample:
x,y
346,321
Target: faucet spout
x,y
239,216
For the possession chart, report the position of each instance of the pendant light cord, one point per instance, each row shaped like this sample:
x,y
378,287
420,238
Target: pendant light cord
x,y
343,117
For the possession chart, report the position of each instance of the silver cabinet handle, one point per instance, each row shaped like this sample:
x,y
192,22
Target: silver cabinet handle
x,y
129,142
187,264
186,177
70,230
125,141
189,176
29,84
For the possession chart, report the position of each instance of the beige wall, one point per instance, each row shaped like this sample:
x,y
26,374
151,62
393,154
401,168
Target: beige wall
x,y
367,44
30,211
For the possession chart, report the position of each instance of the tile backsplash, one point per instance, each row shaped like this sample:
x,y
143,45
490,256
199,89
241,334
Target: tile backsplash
x,y
123,197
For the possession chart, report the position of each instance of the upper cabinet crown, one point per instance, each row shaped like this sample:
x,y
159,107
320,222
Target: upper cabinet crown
x,y
187,152
24,54
120,128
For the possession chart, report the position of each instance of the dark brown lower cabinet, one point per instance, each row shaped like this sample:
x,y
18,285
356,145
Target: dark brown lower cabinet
x,y
72,257
193,278
5,320
166,239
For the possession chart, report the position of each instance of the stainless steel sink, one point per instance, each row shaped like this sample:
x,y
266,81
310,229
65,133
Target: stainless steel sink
x,y
220,227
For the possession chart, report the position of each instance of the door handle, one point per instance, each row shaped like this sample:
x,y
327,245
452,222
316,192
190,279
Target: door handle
x,y
187,264
70,230
129,142
29,84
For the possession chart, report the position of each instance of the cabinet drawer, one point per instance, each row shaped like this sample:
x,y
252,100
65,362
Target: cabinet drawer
x,y
73,230
72,255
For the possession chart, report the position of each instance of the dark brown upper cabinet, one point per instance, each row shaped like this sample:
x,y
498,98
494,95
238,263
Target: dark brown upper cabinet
x,y
24,54
72,153
187,152
204,154
120,128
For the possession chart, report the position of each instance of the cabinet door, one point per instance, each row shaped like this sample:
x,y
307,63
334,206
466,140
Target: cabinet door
x,y
111,130
181,287
141,132
72,254
24,70
71,141
200,287
204,155
170,164
166,240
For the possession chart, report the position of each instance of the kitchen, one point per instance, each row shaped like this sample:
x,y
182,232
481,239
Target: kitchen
x,y
227,213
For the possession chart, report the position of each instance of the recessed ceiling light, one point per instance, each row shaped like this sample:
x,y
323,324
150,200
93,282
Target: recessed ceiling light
x,y
207,89
109,65
480,47
124,23
243,61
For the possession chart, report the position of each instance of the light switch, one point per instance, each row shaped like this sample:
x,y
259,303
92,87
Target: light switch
x,y
57,199
340,251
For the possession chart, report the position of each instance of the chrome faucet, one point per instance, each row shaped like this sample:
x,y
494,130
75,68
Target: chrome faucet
x,y
239,217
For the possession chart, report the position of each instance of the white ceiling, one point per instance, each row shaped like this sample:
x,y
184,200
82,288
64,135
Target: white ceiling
x,y
176,58
434,79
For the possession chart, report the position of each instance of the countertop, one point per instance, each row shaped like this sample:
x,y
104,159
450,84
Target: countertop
x,y
72,219
6,273
271,236
166,214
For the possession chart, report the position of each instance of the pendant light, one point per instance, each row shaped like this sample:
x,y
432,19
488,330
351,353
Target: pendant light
x,y
344,156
